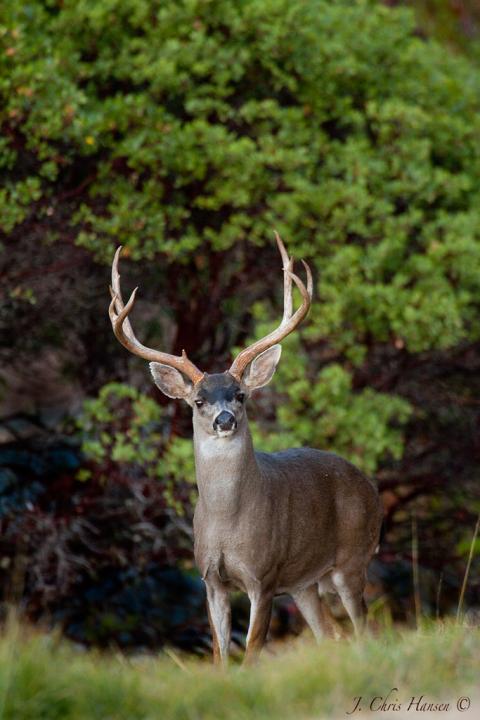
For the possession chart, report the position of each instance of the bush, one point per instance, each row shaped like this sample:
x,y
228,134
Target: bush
x,y
187,126
92,546
187,131
122,429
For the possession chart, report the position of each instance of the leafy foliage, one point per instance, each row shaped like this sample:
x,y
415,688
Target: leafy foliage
x,y
324,411
123,426
187,130
212,123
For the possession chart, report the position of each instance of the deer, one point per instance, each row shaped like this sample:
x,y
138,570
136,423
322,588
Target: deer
x,y
302,521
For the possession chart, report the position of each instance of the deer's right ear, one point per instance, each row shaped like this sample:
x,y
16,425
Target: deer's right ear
x,y
170,381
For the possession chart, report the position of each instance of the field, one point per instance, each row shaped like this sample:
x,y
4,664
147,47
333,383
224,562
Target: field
x,y
42,677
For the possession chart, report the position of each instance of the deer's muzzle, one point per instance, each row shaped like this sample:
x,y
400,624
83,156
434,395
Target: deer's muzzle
x,y
225,421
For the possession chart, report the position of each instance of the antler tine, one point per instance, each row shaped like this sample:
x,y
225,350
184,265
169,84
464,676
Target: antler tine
x,y
287,280
116,291
309,279
123,330
289,321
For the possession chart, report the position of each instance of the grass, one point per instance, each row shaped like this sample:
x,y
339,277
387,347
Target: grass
x,y
45,678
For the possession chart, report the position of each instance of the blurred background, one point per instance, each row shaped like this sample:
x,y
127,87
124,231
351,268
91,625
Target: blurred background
x,y
187,131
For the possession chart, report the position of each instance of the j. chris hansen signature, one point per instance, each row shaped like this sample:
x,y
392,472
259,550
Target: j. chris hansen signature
x,y
416,703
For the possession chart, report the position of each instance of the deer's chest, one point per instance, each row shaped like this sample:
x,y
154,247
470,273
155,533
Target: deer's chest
x,y
234,549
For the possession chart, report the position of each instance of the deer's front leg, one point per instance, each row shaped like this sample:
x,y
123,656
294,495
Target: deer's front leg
x,y
260,613
219,615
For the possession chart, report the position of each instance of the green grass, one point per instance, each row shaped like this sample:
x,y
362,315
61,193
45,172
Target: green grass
x,y
45,678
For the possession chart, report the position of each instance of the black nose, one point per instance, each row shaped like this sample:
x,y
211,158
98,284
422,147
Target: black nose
x,y
225,421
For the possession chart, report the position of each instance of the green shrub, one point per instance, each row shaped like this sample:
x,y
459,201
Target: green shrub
x,y
183,128
126,427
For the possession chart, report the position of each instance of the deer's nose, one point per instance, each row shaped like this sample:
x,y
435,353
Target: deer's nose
x,y
224,421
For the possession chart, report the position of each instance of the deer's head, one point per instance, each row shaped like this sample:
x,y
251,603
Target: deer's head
x,y
218,400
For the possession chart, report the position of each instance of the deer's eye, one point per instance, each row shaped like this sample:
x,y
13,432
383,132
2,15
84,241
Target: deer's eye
x,y
240,397
199,403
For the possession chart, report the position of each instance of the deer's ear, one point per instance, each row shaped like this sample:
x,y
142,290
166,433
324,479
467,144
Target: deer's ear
x,y
170,381
261,369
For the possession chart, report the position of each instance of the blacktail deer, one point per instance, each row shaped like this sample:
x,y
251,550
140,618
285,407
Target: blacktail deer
x,y
299,521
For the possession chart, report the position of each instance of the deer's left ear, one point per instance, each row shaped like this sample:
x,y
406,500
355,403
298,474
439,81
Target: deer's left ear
x,y
261,369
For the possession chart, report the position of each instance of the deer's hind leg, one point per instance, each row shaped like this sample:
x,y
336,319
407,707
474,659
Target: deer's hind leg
x,y
316,613
350,585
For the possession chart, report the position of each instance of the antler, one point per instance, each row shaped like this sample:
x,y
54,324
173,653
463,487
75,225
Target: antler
x,y
289,322
122,328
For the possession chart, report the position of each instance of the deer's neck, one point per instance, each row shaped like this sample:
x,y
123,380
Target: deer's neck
x,y
226,470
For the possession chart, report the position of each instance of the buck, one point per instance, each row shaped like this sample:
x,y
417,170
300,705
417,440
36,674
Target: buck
x,y
300,521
